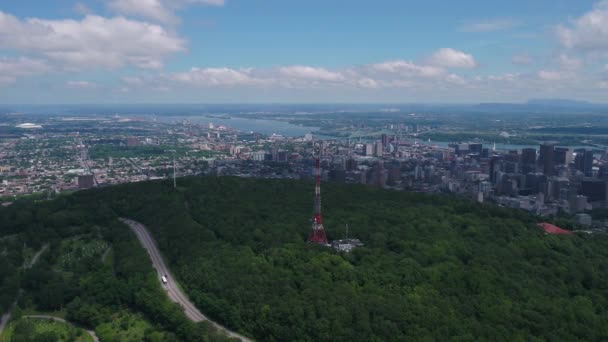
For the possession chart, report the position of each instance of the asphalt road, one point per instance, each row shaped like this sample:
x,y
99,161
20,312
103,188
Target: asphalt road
x,y
173,291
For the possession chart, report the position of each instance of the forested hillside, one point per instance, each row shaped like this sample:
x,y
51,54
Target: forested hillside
x,y
92,272
434,267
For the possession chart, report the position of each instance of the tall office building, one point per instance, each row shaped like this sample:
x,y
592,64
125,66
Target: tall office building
x,y
594,189
588,163
547,157
584,162
385,140
495,166
485,152
528,156
476,149
378,149
563,156
528,160
369,150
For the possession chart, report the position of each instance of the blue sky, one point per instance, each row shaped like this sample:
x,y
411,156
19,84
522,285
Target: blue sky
x,y
146,51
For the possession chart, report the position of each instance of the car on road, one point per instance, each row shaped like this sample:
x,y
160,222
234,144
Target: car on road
x,y
164,279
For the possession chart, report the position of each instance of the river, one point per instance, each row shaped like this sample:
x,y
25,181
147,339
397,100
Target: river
x,y
506,147
267,127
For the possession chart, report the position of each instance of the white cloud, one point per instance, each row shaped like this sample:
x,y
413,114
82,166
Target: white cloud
x,y
91,42
13,68
133,80
523,59
603,84
508,77
588,32
451,58
217,77
367,83
158,10
549,75
408,69
80,84
391,74
310,73
151,9
569,63
488,25
452,78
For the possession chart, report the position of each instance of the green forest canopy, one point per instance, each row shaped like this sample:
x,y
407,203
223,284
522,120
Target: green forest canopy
x,y
434,267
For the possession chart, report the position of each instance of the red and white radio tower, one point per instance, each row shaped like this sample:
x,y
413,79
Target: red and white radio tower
x,y
317,234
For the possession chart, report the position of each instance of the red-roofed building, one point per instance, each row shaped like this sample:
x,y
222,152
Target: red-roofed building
x,y
551,229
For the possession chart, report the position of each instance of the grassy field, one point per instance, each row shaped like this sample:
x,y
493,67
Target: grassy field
x,y
26,329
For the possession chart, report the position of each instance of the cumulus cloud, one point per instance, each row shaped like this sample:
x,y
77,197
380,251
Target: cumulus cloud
x,y
408,69
80,84
158,10
12,68
390,77
452,78
217,77
151,9
488,25
390,74
310,73
508,77
569,63
549,75
133,80
367,83
588,32
451,58
93,41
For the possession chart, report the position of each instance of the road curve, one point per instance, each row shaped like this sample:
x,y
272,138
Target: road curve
x,y
58,319
173,291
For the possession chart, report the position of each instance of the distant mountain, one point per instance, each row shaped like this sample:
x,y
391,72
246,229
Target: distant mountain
x,y
560,103
541,106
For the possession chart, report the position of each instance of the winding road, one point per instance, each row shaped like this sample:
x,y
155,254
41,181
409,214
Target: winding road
x,y
173,291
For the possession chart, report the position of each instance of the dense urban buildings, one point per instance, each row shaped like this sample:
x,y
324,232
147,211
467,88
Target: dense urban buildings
x,y
71,153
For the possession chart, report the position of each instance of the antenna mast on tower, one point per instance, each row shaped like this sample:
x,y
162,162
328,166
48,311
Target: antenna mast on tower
x,y
317,233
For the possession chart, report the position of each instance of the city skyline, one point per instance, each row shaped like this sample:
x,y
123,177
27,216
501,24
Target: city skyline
x,y
234,51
